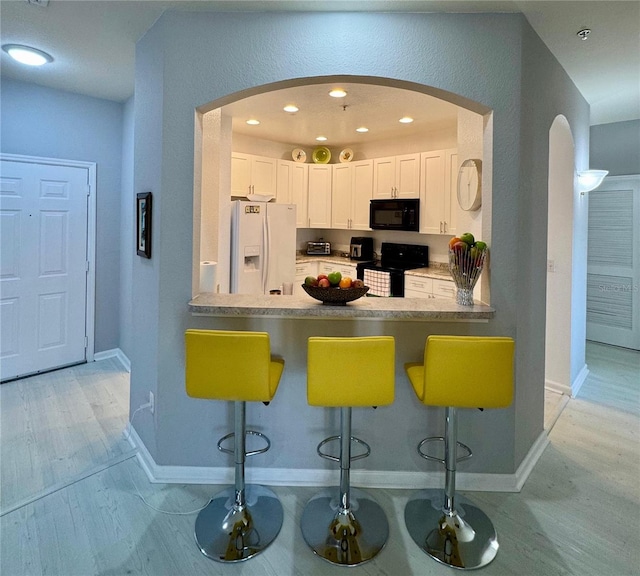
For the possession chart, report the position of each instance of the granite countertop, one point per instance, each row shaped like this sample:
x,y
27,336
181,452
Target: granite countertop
x,y
422,309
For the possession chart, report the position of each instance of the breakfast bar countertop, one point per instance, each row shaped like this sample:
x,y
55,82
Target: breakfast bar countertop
x,y
420,309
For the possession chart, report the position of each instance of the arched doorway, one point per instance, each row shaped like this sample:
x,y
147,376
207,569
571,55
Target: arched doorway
x,y
565,367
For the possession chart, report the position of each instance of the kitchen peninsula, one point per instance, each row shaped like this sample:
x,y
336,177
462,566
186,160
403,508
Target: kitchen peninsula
x,y
295,428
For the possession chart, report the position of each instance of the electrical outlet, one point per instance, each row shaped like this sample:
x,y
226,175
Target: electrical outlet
x,y
152,402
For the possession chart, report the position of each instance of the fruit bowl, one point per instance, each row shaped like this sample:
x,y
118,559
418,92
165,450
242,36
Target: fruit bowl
x,y
335,296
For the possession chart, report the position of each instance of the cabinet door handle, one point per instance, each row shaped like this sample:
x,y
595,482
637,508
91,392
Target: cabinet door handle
x,y
445,227
440,226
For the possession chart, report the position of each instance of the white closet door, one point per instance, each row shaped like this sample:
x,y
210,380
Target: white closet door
x,y
613,263
43,271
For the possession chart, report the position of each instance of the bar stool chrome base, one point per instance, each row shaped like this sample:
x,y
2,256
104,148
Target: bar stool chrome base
x,y
464,539
226,532
349,536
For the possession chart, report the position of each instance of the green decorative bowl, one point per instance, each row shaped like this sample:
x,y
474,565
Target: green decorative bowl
x,y
335,296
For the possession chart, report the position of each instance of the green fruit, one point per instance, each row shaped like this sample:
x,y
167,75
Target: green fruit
x,y
334,278
311,281
480,245
468,238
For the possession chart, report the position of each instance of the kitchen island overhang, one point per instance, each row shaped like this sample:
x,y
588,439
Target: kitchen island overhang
x,y
406,309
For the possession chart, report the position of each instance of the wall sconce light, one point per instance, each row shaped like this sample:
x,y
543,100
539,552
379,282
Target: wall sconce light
x,y
590,179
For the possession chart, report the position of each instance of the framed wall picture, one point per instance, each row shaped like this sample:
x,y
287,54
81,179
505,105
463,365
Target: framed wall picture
x,y
143,227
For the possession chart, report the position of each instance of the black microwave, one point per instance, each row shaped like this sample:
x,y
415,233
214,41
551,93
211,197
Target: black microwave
x,y
395,214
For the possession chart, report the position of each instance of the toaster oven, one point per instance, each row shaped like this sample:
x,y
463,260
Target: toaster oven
x,y
318,248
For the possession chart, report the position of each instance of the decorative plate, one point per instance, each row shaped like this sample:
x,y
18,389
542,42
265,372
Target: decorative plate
x,y
321,155
299,155
335,296
346,155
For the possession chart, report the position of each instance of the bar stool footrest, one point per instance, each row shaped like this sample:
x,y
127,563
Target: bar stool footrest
x,y
426,456
247,433
333,458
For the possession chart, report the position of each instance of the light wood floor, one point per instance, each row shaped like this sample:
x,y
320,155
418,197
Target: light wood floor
x,y
69,502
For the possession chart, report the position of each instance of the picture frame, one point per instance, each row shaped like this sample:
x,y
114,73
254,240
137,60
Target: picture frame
x,y
143,224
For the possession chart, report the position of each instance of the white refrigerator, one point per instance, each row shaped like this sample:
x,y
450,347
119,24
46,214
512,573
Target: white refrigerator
x,y
263,246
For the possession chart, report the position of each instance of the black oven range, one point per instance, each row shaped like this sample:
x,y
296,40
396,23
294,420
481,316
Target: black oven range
x,y
385,277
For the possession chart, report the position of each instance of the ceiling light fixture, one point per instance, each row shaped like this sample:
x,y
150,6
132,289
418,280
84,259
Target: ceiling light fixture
x,y
290,108
583,33
362,129
27,55
590,179
321,138
337,93
253,122
406,120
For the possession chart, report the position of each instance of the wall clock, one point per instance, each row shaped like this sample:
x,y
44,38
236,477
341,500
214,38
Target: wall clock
x,y
470,185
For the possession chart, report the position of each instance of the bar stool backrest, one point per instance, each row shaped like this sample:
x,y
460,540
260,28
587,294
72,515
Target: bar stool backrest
x,y
468,371
351,371
230,365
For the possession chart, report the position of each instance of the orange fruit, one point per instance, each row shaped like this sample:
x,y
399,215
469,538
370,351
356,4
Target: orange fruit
x,y
453,241
345,282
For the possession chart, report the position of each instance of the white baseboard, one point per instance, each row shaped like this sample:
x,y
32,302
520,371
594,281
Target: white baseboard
x,y
557,387
319,477
114,353
579,381
569,390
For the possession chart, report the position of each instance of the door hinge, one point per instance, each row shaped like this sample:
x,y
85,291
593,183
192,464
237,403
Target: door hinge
x,y
88,189
86,341
87,265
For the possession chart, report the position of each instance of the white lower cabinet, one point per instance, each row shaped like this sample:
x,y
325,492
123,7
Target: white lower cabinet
x,y
443,288
418,287
424,287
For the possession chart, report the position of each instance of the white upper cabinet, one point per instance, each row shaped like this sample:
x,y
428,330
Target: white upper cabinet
x,y
351,194
252,175
319,199
438,175
293,188
397,176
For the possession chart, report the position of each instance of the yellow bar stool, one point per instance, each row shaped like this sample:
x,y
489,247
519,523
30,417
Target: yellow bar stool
x,y
458,372
346,526
242,520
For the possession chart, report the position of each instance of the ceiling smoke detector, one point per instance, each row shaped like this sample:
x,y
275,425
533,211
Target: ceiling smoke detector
x,y
41,3
584,33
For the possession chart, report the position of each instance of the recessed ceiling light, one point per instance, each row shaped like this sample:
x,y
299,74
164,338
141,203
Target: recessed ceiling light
x,y
362,129
253,122
337,93
321,138
290,108
27,55
406,120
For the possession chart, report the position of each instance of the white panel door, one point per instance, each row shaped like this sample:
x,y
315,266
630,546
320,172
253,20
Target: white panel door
x,y
43,271
613,263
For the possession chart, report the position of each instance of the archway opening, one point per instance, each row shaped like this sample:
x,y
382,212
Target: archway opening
x,y
443,121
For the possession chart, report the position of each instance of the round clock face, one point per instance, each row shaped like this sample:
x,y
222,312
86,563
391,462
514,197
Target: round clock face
x,y
469,185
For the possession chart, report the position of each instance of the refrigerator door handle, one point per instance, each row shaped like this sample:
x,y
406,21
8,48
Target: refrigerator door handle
x,y
265,251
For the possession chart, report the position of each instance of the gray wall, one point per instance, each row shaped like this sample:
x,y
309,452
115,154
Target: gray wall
x,y
483,58
127,230
39,121
616,147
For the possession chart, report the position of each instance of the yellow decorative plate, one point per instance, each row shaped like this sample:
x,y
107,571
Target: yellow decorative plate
x,y
321,155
